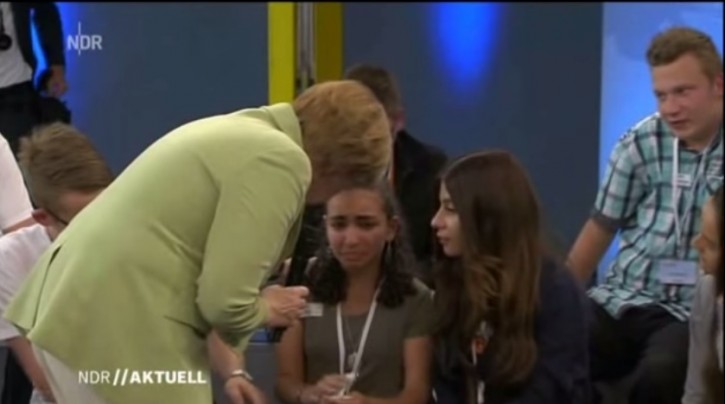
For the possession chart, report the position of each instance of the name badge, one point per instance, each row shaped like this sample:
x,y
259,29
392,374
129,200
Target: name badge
x,y
684,180
677,272
313,310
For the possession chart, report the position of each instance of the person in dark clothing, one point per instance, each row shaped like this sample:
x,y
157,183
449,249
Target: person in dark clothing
x,y
20,103
415,167
510,321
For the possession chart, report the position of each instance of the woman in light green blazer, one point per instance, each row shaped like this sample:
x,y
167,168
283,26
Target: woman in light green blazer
x,y
180,243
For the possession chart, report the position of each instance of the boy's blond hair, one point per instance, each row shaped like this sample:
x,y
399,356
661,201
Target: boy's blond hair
x,y
670,45
56,159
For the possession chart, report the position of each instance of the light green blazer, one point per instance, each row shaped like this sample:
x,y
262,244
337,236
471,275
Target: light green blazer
x,y
178,244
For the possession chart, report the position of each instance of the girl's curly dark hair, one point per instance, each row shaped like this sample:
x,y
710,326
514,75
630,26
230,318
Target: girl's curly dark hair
x,y
327,280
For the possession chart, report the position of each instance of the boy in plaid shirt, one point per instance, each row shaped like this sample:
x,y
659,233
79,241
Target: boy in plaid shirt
x,y
660,174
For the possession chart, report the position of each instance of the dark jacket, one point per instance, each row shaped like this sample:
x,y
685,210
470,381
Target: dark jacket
x,y
561,373
46,18
417,168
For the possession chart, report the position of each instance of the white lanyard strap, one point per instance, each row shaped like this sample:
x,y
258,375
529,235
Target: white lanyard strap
x,y
480,385
363,337
679,224
675,191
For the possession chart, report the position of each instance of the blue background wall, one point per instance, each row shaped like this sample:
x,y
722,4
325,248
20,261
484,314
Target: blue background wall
x,y
527,80
162,64
626,86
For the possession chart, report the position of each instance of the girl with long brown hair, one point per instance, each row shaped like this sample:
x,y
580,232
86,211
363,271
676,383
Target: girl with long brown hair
x,y
511,323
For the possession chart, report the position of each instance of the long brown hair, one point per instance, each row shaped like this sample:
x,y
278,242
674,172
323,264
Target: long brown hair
x,y
711,372
497,277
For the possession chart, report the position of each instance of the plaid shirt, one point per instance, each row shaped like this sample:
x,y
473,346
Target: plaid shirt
x,y
636,199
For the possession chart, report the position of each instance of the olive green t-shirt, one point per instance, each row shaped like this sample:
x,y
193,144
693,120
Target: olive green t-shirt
x,y
382,365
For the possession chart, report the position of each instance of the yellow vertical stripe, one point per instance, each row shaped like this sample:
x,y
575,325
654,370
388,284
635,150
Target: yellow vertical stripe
x,y
328,41
281,51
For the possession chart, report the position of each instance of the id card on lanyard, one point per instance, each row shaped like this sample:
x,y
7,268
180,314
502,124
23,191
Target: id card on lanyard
x,y
678,270
355,358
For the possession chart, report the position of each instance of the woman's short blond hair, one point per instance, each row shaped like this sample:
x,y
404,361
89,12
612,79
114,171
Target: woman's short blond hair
x,y
345,131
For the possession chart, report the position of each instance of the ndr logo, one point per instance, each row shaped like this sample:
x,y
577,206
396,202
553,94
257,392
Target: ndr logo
x,y
81,42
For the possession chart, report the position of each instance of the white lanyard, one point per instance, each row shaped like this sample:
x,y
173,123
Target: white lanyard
x,y
679,235
361,345
480,385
